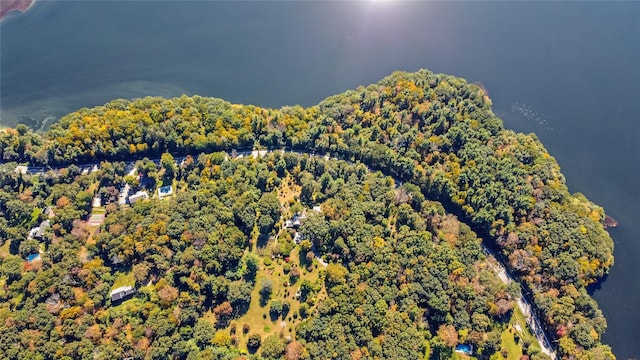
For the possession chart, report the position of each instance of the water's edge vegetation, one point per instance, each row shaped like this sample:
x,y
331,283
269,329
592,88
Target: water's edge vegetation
x,y
434,132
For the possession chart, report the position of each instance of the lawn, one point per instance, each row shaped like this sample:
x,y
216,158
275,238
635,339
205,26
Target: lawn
x,y
509,344
35,213
517,318
99,210
3,286
516,334
289,191
124,279
258,317
4,249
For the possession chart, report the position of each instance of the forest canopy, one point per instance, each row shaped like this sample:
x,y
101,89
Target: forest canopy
x,y
434,133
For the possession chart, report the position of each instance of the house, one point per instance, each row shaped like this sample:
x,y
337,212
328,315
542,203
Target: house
x,y
122,293
124,192
97,202
42,228
49,212
21,169
138,196
297,238
38,232
294,222
317,209
32,233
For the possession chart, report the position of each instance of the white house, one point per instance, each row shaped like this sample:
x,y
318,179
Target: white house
x,y
138,196
122,293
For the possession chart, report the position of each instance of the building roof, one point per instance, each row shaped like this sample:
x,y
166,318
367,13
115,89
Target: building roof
x,y
42,228
38,231
138,195
122,292
298,237
32,233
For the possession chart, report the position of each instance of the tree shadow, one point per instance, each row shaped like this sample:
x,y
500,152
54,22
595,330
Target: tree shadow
x,y
240,309
264,300
262,241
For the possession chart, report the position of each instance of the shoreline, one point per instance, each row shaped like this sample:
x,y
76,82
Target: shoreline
x,y
13,6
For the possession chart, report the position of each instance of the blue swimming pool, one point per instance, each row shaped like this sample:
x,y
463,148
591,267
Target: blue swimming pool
x,y
33,257
465,349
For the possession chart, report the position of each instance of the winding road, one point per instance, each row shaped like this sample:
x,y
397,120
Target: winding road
x,y
523,303
525,307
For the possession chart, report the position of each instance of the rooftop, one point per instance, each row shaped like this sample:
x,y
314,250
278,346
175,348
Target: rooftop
x,y
122,292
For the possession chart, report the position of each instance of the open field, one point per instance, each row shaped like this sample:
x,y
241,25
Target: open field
x,y
124,279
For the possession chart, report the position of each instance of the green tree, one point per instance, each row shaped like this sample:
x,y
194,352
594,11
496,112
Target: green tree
x,y
253,342
168,163
266,288
272,347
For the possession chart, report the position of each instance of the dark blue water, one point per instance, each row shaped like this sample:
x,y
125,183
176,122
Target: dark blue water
x,y
570,72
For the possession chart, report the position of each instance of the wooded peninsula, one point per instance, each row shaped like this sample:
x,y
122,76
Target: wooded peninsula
x,y
366,239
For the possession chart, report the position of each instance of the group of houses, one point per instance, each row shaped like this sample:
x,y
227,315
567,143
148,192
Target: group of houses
x,y
296,221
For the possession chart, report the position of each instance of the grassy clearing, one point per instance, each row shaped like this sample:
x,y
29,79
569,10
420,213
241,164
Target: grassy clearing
x,y
516,335
126,307
99,210
4,249
258,317
520,324
509,344
459,356
3,284
35,213
289,191
124,279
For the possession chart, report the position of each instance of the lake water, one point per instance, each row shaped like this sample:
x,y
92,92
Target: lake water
x,y
567,71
